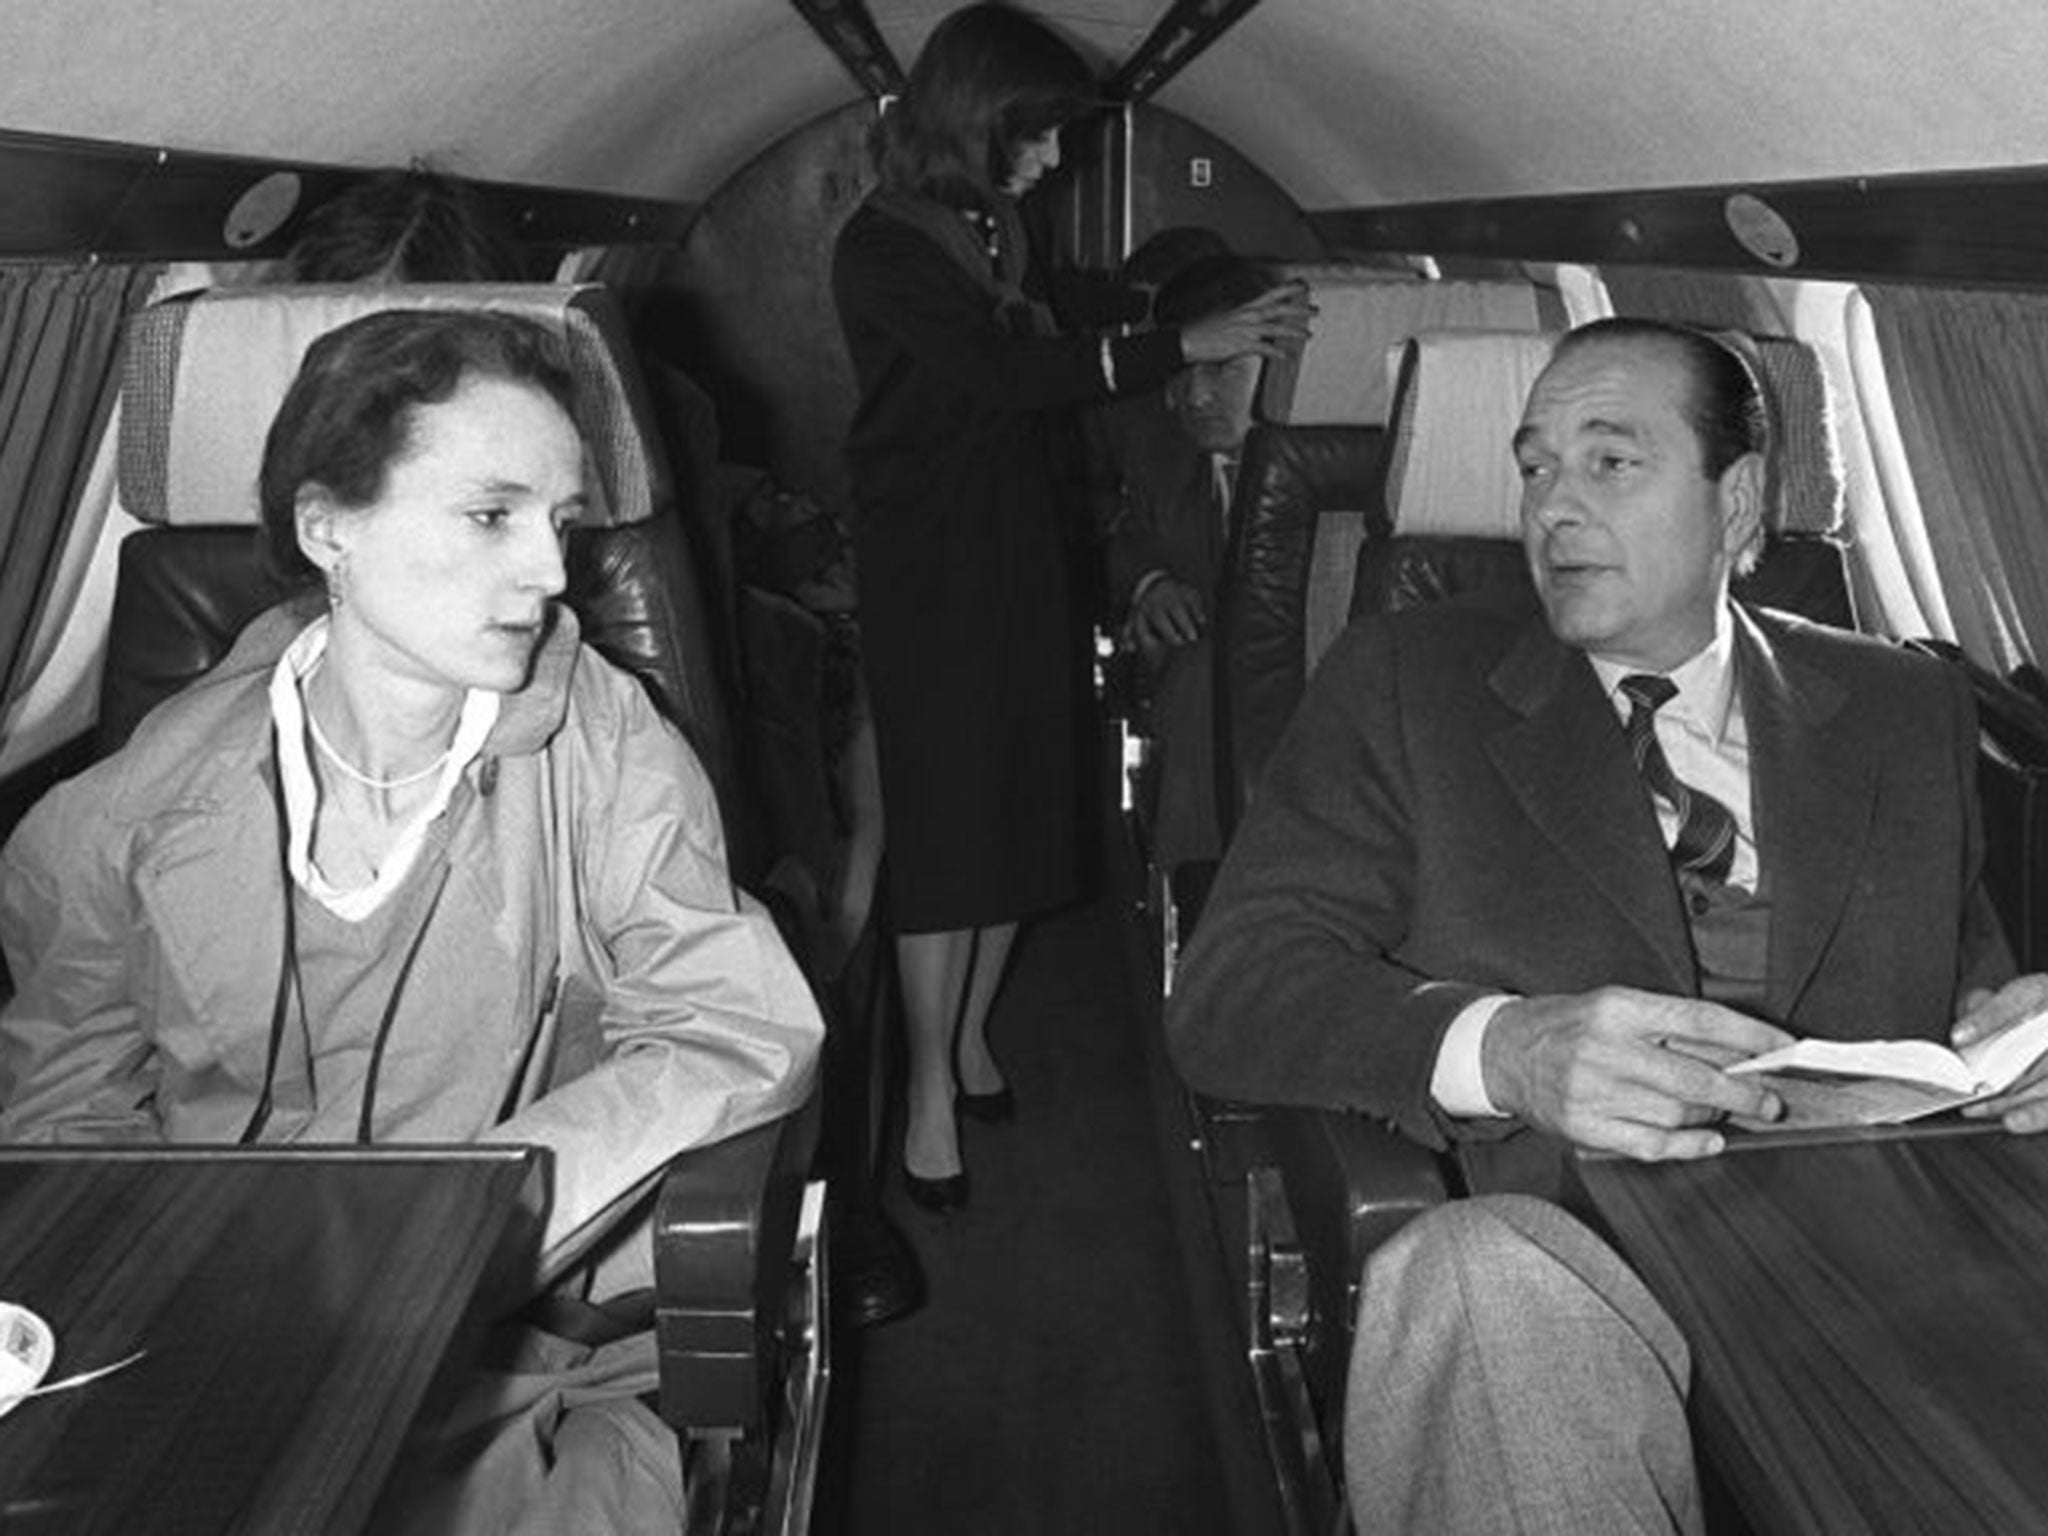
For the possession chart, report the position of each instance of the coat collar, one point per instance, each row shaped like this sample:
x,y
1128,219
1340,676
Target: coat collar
x,y
1812,795
1565,761
527,720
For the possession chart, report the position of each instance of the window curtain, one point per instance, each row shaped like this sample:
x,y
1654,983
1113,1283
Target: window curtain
x,y
60,333
1968,376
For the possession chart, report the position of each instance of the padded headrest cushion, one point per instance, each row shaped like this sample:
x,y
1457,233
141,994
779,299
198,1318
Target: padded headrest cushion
x,y
1343,374
203,376
1451,469
1805,490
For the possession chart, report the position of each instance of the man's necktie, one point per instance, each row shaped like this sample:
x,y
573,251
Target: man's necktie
x,y
1706,827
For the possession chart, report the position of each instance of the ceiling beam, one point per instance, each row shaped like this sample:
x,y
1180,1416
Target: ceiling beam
x,y
1961,227
71,197
847,28
1185,32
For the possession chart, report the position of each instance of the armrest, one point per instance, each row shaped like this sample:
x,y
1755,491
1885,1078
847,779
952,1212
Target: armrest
x,y
725,1229
1348,1184
1332,1188
1353,1181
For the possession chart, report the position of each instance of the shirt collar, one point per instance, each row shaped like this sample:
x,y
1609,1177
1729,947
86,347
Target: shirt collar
x,y
302,793
1705,683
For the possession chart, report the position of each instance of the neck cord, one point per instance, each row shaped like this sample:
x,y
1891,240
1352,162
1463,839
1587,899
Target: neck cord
x,y
288,966
289,983
369,781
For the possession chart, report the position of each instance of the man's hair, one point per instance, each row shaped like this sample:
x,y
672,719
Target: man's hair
x,y
1209,285
403,227
348,415
1725,405
988,80
1160,256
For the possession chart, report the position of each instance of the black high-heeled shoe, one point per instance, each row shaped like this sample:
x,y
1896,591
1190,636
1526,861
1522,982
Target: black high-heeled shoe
x,y
939,1196
998,1108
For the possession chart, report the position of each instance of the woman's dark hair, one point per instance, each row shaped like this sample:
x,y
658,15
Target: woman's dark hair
x,y
988,80
348,416
403,227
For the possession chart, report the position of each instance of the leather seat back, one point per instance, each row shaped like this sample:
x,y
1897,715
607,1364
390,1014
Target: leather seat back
x,y
1308,498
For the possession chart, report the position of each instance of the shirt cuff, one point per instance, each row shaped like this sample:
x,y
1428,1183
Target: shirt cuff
x,y
1458,1083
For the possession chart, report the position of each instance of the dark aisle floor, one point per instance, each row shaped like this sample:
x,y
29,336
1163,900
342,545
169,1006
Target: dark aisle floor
x,y
1053,1381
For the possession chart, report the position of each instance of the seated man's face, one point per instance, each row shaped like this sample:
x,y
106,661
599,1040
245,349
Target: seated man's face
x,y
1628,540
1213,401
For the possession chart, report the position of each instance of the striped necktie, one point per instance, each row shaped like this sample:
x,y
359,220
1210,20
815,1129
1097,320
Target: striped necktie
x,y
1706,827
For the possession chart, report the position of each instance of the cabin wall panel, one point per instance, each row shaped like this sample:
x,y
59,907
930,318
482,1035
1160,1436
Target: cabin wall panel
x,y
1239,201
744,305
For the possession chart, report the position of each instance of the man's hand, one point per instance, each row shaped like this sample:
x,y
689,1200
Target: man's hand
x,y
1625,1071
2024,1106
1170,613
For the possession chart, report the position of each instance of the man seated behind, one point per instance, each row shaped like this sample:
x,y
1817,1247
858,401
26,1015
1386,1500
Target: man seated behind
x,y
1456,904
1165,551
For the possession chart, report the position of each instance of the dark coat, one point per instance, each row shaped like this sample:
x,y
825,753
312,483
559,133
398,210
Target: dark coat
x,y
1169,521
1454,812
966,535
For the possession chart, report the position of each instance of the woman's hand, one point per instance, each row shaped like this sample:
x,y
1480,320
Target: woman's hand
x,y
1274,323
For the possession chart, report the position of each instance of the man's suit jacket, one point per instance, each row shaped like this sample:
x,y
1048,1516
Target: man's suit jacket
x,y
1453,811
1169,521
1165,519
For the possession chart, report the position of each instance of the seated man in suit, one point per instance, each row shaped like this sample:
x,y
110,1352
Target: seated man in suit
x,y
1506,889
1165,549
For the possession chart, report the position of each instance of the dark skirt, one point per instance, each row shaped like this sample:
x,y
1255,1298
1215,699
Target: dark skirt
x,y
977,678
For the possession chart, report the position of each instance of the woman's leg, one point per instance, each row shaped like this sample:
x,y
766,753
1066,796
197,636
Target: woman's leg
x,y
979,1073
934,974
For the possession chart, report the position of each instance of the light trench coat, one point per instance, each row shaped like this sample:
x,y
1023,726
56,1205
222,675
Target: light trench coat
x,y
141,907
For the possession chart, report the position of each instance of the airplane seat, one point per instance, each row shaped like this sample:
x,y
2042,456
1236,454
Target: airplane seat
x,y
1344,375
1309,502
739,1258
1309,498
1341,1184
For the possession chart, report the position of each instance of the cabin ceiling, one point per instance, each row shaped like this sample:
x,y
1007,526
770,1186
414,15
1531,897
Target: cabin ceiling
x,y
1344,102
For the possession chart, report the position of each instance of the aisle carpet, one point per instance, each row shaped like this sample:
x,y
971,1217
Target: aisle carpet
x,y
1052,1382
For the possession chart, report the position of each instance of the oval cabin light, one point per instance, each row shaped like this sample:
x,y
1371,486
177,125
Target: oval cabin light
x,y
260,210
1761,230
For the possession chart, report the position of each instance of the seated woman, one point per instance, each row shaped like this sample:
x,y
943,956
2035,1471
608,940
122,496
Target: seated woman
x,y
412,864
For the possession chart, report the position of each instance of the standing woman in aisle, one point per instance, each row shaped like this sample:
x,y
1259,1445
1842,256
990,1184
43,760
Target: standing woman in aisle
x,y
974,637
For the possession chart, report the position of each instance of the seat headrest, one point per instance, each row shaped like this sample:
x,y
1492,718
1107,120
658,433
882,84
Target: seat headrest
x,y
1461,394
1343,376
1804,491
203,376
1451,468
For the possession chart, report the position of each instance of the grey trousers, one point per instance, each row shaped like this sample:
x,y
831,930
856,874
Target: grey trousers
x,y
1512,1377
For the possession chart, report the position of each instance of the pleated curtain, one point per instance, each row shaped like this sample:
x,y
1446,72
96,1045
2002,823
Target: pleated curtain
x,y
60,332
1968,377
